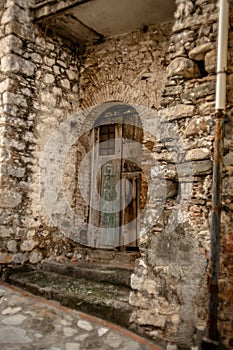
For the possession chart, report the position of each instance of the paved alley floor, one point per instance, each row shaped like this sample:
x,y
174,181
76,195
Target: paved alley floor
x,y
32,323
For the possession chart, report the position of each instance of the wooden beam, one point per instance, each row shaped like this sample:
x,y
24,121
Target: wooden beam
x,y
48,8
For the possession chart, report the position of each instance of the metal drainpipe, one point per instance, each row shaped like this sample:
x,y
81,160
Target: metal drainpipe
x,y
212,340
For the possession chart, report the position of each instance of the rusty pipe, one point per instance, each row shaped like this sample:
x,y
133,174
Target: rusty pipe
x,y
212,339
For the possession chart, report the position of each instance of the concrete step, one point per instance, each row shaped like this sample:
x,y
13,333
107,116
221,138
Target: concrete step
x,y
109,301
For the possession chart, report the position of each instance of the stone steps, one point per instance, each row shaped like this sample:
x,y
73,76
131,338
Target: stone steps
x,y
100,273
109,257
101,291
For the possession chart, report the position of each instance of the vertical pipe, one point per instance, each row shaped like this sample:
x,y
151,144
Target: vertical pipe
x,y
220,102
212,337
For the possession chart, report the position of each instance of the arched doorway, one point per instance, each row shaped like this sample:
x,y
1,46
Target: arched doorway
x,y
115,179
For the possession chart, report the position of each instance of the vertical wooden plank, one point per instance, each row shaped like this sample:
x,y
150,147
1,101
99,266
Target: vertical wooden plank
x,y
109,221
104,231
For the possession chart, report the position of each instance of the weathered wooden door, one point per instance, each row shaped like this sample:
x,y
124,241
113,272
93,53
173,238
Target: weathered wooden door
x,y
104,217
115,188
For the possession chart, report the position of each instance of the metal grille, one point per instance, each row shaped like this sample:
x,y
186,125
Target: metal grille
x,y
107,140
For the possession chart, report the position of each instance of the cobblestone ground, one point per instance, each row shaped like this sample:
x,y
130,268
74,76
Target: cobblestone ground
x,y
32,323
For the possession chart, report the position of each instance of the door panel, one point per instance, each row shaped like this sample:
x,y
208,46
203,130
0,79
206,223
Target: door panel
x,y
109,207
130,196
114,158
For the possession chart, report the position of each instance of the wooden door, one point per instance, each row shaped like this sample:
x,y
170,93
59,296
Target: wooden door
x,y
115,185
104,216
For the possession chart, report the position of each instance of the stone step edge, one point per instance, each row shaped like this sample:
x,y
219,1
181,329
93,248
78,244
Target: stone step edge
x,y
111,313
99,273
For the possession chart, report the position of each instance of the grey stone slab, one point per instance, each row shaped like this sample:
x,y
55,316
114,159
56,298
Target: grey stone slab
x,y
84,325
72,346
11,310
101,331
14,320
69,332
13,335
133,346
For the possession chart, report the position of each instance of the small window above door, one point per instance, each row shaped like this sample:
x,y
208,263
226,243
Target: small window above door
x,y
107,140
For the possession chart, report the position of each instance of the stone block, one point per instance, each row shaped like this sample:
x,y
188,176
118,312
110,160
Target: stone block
x,y
20,258
15,64
206,108
5,258
10,199
10,98
49,79
198,53
10,43
26,31
14,170
177,112
29,245
195,126
72,75
36,57
15,13
48,99
35,256
4,85
183,67
8,15
12,246
150,286
228,159
136,299
146,317
49,61
6,231
65,83
211,61
198,154
136,282
20,3
202,167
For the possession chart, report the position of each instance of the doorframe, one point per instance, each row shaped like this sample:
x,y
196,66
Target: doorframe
x,y
95,145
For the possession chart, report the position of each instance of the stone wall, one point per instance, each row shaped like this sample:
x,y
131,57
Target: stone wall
x,y
43,82
42,89
172,275
17,143
56,98
129,68
170,279
39,89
